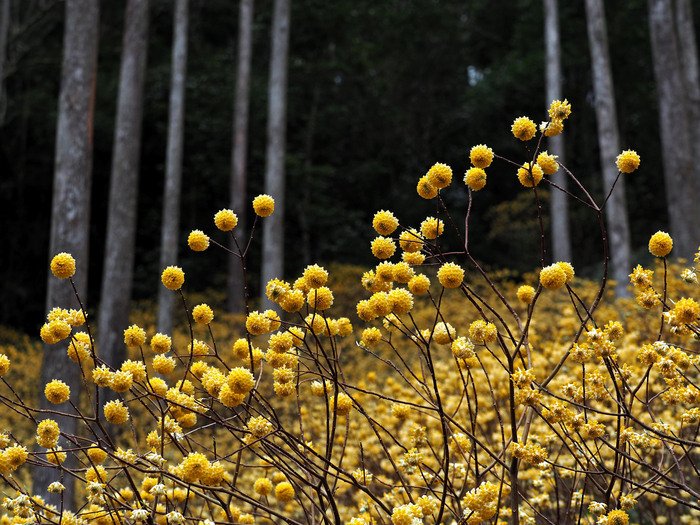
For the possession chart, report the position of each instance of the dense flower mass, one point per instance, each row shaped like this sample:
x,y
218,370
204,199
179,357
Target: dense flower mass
x,y
628,161
475,178
450,275
198,241
425,188
202,314
383,247
559,110
225,220
481,156
548,163
552,277
530,176
385,223
523,128
173,277
263,205
526,294
134,336
57,391
439,175
660,244
63,265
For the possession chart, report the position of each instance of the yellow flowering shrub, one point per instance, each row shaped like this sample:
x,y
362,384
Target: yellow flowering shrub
x,y
373,397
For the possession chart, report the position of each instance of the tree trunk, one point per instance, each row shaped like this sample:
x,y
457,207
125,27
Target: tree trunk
x,y
70,209
561,240
239,200
273,226
680,174
4,27
608,142
123,190
173,164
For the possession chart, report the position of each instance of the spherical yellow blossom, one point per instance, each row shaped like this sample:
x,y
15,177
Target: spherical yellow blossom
x,y
229,398
283,375
263,205
134,336
4,364
55,331
262,486
444,333
617,517
344,405
450,275
385,271
481,156
371,336
660,244
157,386
686,311
102,376
425,189
419,284
198,241
317,324
383,247
380,304
79,347
292,301
63,265
523,128
406,514
475,178
136,368
559,109
410,240
240,380
462,348
530,177
57,392
163,365
121,381
401,301
256,323
482,332
628,161
173,277
192,466
400,411
320,298
116,413
344,327
432,228
280,342
76,317
385,223
284,491
276,289
553,128
273,318
161,343
259,426
413,258
47,433
439,175
202,314
526,294
13,457
365,311
403,272
315,276
548,163
225,220
552,277
96,454
568,270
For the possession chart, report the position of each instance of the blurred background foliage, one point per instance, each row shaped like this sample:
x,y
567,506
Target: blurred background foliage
x,y
378,92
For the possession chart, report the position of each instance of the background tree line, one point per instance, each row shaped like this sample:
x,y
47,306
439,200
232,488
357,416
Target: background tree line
x,y
376,93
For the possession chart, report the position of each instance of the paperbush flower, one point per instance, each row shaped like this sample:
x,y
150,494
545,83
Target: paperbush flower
x,y
371,336
526,294
4,364
475,178
116,413
560,109
413,258
660,244
553,128
568,270
344,404
383,247
163,365
385,223
121,381
481,156
202,314
618,517
57,391
548,163
419,284
315,276
403,272
686,310
198,241
240,380
262,486
425,189
431,228
225,220
400,301
628,161
257,324
134,336
410,241
450,275
320,298
552,277
284,491
173,277
161,343
523,128
439,175
47,433
263,205
63,265
530,177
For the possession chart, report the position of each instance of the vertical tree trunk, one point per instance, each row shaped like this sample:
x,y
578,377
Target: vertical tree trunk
x,y
273,226
680,174
123,189
687,44
608,142
239,201
173,163
4,27
561,240
70,209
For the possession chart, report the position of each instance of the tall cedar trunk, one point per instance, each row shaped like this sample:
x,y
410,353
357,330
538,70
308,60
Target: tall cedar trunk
x,y
559,215
239,201
118,269
4,27
680,172
691,70
273,226
173,163
608,142
70,210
